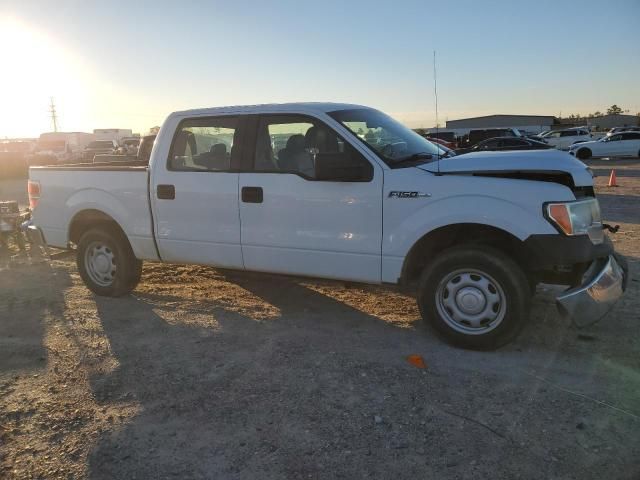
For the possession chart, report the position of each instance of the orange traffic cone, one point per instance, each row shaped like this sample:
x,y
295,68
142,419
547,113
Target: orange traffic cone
x,y
613,181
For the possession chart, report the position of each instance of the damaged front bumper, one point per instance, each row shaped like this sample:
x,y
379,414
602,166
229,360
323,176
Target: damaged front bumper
x,y
606,281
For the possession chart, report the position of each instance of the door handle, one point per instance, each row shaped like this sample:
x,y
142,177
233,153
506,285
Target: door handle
x,y
252,194
166,192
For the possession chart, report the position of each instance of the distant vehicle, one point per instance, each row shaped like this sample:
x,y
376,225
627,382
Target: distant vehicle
x,y
623,144
99,147
129,145
117,134
445,135
622,129
479,135
536,137
468,234
13,158
504,143
563,139
141,156
441,142
17,146
59,147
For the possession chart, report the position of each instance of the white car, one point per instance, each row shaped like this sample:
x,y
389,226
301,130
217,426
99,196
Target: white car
x,y
624,144
473,233
622,129
563,139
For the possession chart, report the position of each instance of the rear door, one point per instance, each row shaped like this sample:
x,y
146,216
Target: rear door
x,y
615,145
195,193
294,223
631,144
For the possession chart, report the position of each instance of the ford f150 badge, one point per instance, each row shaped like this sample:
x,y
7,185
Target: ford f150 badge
x,y
396,194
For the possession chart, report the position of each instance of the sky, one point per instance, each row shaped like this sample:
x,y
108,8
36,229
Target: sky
x,y
113,64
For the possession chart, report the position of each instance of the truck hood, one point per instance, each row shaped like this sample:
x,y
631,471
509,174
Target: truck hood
x,y
517,162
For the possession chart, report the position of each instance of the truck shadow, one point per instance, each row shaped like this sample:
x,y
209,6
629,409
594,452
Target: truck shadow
x,y
24,304
213,391
223,392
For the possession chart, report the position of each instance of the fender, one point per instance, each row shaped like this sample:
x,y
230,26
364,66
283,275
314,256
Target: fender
x,y
470,209
136,227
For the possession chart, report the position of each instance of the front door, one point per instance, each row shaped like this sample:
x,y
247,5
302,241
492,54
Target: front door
x,y
195,195
291,221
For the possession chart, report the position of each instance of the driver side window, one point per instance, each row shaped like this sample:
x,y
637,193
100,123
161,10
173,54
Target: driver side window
x,y
301,145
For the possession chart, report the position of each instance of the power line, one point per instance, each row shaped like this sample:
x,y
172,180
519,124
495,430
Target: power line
x,y
54,115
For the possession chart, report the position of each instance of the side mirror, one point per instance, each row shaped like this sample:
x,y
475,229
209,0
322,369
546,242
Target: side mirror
x,y
342,167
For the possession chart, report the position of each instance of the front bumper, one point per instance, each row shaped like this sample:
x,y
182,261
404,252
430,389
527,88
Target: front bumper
x,y
606,281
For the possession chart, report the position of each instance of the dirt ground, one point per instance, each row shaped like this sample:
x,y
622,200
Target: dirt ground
x,y
208,374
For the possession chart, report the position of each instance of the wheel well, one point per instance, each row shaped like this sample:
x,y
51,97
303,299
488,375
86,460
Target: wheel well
x,y
88,219
458,234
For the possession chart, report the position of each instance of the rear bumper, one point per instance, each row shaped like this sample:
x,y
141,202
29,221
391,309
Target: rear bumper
x,y
34,234
606,281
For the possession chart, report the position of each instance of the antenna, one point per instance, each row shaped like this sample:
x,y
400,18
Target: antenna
x,y
54,115
435,94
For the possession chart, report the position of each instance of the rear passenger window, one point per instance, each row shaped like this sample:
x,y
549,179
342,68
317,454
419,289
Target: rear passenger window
x,y
568,133
204,144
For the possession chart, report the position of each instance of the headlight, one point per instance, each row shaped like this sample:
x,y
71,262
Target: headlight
x,y
576,218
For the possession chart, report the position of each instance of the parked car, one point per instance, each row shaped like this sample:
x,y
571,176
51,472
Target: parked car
x,y
563,139
623,144
505,143
469,233
444,143
129,145
140,158
536,137
99,147
622,129
478,135
59,148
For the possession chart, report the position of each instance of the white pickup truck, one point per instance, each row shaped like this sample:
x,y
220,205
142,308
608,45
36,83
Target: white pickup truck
x,y
344,192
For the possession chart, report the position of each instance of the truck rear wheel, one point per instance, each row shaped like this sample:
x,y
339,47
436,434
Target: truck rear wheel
x,y
474,297
106,262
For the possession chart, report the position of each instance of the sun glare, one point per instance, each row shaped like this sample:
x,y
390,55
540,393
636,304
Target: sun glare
x,y
34,69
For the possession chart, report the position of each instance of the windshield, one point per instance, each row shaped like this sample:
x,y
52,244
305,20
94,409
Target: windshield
x,y
101,144
388,138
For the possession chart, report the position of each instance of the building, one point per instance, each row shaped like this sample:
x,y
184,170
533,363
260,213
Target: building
x,y
603,122
526,123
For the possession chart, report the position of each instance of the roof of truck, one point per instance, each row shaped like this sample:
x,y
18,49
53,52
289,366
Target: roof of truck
x,y
294,107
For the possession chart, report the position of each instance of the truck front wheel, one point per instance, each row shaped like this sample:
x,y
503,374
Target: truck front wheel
x,y
474,297
107,263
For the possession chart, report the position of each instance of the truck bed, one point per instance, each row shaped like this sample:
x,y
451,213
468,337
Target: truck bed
x,y
118,189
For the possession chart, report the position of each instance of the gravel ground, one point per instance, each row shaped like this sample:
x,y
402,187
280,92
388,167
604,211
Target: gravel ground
x,y
209,374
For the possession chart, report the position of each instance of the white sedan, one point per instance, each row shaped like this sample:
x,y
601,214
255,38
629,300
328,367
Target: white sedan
x,y
623,144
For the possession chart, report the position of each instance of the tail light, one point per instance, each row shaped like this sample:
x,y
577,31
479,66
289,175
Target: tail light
x,y
33,187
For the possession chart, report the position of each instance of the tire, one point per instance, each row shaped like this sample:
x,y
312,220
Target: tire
x,y
491,303
584,154
106,262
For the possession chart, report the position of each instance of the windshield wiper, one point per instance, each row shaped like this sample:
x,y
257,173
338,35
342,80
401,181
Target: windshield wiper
x,y
413,157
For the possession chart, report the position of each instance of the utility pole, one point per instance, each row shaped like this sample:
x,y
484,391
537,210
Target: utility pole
x,y
54,115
